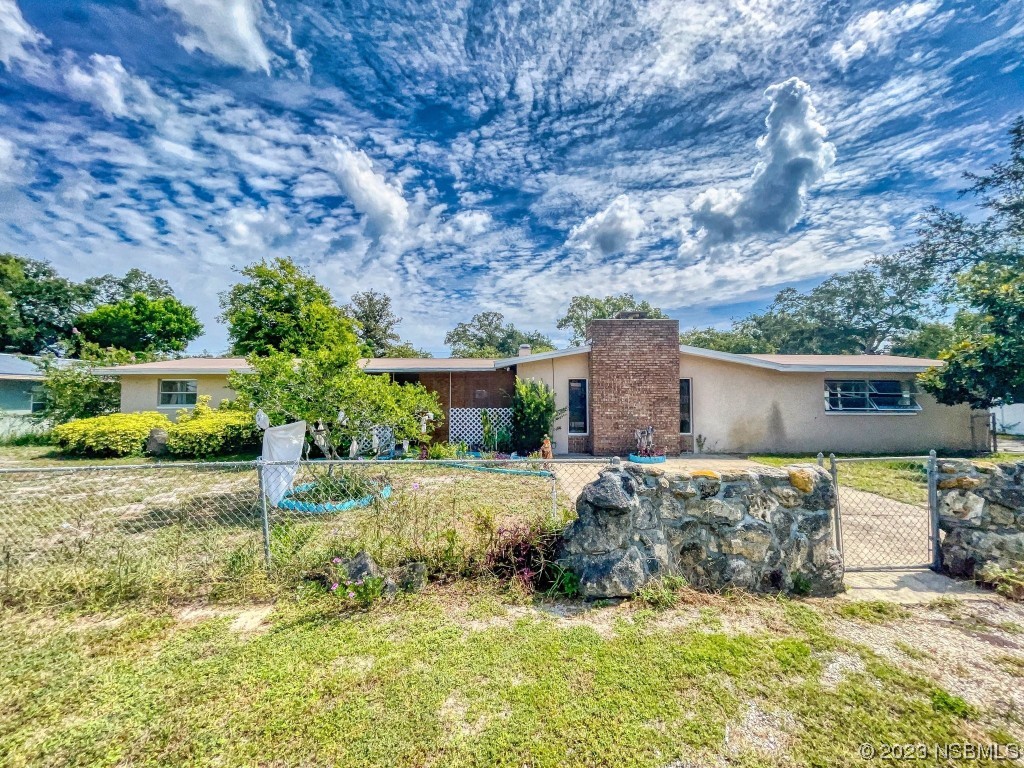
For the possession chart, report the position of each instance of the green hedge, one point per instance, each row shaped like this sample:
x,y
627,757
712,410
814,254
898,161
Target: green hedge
x,y
207,432
117,434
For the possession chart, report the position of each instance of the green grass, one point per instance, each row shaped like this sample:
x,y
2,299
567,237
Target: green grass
x,y
171,534
429,680
905,481
872,611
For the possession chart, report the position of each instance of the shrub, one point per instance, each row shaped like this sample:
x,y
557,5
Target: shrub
x,y
533,414
208,432
116,434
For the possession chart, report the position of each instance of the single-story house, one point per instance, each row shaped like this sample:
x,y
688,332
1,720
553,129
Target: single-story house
x,y
20,393
632,373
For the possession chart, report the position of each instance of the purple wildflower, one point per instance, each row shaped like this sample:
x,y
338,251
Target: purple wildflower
x,y
336,560
415,486
351,595
334,586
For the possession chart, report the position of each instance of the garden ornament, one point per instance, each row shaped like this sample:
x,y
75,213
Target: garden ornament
x,y
353,449
545,448
262,420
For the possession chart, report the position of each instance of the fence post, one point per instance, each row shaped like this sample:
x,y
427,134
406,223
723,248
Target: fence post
x,y
265,516
834,470
821,459
995,432
933,510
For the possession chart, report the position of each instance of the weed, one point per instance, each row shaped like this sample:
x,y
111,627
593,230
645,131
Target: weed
x,y
911,651
872,611
663,593
953,705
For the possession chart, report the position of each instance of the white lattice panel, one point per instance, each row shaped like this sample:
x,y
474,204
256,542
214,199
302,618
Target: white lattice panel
x,y
385,440
464,423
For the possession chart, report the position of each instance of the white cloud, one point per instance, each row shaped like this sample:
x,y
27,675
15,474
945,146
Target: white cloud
x,y
254,228
879,31
794,155
225,29
107,85
17,37
10,163
612,230
380,201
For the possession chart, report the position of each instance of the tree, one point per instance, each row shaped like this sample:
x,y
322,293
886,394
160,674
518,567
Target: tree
x,y
982,259
929,340
987,367
142,324
322,383
75,390
487,335
37,305
583,309
405,349
533,414
281,308
377,323
737,341
111,289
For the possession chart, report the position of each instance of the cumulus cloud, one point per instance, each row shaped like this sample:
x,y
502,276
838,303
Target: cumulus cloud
x,y
380,201
612,230
794,155
879,30
10,163
254,228
17,37
226,29
107,85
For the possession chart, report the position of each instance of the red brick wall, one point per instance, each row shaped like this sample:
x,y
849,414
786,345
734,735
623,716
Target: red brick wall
x,y
634,382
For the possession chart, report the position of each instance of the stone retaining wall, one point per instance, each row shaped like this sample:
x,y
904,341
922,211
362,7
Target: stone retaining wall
x,y
981,509
769,530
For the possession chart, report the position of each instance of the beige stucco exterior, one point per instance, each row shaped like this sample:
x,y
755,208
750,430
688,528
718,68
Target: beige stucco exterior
x,y
556,373
743,409
141,392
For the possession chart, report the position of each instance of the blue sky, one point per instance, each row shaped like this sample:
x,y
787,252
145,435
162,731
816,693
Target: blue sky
x,y
468,155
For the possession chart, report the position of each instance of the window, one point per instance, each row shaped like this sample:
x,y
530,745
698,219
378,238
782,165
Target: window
x,y
405,378
685,423
873,396
578,407
37,400
178,392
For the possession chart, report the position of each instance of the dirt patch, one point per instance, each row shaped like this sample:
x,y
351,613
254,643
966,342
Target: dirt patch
x,y
252,620
839,666
765,732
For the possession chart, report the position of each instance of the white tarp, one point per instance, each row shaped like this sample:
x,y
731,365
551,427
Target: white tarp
x,y
282,444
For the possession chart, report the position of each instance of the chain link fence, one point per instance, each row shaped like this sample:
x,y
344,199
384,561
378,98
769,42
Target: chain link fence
x,y
886,511
182,531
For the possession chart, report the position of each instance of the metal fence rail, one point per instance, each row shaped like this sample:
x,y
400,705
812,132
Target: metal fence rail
x,y
192,529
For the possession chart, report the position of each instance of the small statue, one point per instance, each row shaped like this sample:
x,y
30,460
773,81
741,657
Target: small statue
x,y
645,441
353,449
545,449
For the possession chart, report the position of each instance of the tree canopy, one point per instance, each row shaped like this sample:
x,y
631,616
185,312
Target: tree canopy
x,y
488,335
142,324
377,326
866,311
281,308
981,259
583,309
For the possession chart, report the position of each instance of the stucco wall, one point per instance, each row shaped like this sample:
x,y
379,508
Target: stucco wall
x,y
556,374
140,393
742,409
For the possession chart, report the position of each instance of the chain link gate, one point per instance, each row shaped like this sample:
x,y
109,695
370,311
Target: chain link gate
x,y
886,511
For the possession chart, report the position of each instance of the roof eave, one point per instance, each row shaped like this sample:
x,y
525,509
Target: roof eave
x,y
730,357
510,361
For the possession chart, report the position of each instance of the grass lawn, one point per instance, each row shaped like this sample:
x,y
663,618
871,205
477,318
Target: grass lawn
x,y
905,481
467,675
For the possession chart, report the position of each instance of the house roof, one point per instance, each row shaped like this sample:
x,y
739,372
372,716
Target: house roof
x,y
23,367
186,366
820,363
194,366
427,364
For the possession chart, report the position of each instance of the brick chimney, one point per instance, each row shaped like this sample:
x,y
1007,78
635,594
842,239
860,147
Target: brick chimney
x,y
634,382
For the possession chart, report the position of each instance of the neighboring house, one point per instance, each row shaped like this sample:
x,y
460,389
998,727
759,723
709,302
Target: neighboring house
x,y
1010,418
20,394
632,373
